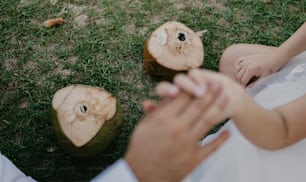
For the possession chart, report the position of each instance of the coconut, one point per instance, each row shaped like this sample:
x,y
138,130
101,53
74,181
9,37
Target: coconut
x,y
172,48
86,119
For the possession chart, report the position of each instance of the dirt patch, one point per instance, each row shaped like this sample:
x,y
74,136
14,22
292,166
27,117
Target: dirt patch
x,y
80,21
179,5
35,22
217,4
24,104
72,60
100,21
240,15
30,65
60,70
63,73
143,31
223,23
53,2
293,8
10,64
156,20
76,10
25,3
129,29
44,82
77,13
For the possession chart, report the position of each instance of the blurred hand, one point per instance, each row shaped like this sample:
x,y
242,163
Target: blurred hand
x,y
164,145
250,69
196,83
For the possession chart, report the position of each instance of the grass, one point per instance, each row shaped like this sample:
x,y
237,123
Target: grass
x,y
105,52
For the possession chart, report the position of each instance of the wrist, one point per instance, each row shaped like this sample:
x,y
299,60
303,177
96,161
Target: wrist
x,y
140,170
282,57
241,105
133,167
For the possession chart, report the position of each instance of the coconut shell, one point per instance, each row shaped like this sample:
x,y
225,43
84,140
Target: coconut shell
x,y
170,49
102,137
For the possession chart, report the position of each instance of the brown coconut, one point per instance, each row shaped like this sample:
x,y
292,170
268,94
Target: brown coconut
x,y
172,48
86,119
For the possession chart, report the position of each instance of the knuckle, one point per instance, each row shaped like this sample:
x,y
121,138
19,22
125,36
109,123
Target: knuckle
x,y
177,131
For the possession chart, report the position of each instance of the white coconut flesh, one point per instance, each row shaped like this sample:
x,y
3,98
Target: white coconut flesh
x,y
82,111
176,47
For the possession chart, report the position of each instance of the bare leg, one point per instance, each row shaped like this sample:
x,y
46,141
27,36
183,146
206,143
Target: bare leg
x,y
236,51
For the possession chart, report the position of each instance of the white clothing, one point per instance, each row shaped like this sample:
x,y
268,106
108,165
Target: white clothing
x,y
10,173
119,171
238,160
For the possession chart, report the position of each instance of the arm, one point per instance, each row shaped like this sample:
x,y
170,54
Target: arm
x,y
268,129
272,129
293,46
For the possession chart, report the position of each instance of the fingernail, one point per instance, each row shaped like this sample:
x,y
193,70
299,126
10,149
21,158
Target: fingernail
x,y
200,91
173,90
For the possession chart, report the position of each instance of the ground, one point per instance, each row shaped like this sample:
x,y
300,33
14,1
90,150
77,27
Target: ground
x,y
101,44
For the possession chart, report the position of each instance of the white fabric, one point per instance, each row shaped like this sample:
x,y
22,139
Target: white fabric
x,y
118,172
10,173
238,160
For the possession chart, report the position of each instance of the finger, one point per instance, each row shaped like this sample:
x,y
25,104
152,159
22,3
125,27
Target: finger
x,y
149,105
252,83
199,105
246,78
188,85
175,106
197,76
214,114
238,64
211,147
211,76
166,90
240,74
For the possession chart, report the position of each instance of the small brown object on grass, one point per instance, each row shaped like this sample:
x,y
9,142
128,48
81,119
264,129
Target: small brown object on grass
x,y
52,22
172,48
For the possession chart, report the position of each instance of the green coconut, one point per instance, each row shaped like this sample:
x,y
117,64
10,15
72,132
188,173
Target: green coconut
x,y
85,119
172,48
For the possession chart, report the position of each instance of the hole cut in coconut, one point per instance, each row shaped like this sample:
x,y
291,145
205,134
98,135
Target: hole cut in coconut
x,y
82,111
181,36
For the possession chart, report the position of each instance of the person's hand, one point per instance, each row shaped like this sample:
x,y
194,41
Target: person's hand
x,y
196,83
250,69
164,145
